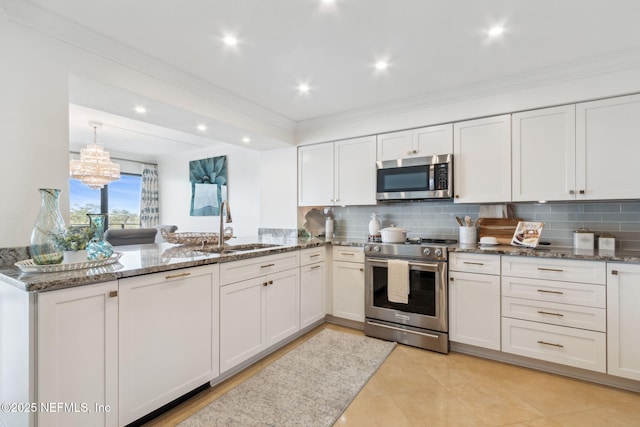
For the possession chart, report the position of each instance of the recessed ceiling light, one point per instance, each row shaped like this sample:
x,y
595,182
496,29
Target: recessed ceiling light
x,y
202,128
381,65
246,139
230,40
140,110
304,88
496,31
328,1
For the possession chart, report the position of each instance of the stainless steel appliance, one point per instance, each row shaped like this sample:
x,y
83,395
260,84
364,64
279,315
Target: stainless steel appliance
x,y
415,178
423,321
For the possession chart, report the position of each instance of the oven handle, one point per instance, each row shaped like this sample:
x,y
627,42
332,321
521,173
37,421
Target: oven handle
x,y
432,267
402,330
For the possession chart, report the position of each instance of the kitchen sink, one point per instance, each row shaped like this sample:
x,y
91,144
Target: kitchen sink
x,y
227,249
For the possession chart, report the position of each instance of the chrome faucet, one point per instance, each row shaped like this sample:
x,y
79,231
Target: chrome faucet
x,y
225,203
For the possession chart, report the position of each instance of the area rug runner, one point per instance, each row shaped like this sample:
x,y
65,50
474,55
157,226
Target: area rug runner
x,y
309,386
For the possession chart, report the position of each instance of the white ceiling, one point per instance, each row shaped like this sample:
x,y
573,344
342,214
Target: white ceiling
x,y
433,46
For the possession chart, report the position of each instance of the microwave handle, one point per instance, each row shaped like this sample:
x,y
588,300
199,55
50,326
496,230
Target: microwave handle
x,y
432,181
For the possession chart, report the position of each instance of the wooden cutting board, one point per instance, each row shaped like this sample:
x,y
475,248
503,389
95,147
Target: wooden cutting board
x,y
500,228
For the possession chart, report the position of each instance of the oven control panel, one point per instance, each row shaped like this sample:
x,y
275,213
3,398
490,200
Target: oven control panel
x,y
400,250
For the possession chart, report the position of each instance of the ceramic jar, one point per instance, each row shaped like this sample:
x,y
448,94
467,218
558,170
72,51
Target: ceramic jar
x,y
374,225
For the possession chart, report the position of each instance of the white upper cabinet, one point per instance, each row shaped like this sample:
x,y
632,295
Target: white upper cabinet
x,y
608,148
355,172
427,141
340,173
482,160
315,175
543,154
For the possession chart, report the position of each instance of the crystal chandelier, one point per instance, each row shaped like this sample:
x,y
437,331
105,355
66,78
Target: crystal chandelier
x,y
95,167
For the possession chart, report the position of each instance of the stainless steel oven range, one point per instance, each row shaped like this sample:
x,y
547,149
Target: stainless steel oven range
x,y
423,321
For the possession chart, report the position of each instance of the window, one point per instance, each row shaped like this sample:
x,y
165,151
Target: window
x,y
121,199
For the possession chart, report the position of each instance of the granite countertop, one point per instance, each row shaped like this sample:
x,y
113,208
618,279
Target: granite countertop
x,y
144,259
552,252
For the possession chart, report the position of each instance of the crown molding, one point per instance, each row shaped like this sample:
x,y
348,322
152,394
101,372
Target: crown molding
x,y
619,61
27,14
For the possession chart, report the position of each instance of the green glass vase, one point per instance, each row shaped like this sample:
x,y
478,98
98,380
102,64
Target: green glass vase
x,y
43,247
98,248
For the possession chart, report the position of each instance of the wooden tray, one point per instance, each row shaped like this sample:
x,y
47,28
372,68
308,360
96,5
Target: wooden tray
x,y
500,228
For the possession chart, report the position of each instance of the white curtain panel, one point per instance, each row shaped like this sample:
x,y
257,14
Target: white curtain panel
x,y
149,214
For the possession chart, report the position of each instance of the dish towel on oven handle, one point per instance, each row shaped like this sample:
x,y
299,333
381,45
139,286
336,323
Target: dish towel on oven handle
x,y
398,281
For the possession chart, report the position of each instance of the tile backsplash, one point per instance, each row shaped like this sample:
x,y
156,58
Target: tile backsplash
x,y
436,219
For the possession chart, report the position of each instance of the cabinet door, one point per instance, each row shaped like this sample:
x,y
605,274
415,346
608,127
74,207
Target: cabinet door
x,y
315,175
543,149
241,326
474,309
394,145
355,172
77,356
312,289
166,338
482,160
348,290
282,305
623,318
433,140
607,149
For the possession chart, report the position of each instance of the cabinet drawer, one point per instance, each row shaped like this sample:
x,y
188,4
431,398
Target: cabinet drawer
x,y
474,263
554,291
558,344
235,271
555,269
575,316
348,253
310,256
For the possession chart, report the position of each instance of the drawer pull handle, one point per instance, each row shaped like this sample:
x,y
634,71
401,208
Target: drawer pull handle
x,y
267,265
550,292
614,272
551,314
173,276
113,294
314,255
265,284
473,263
550,269
362,269
314,267
550,343
347,253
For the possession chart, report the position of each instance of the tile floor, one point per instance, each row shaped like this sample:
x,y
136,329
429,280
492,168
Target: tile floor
x,y
416,387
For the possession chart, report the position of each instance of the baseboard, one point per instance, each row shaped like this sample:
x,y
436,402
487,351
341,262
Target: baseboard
x,y
553,368
353,324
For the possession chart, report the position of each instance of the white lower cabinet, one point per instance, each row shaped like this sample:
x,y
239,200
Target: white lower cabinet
x,y
313,277
623,319
257,313
555,310
77,355
348,283
474,300
168,337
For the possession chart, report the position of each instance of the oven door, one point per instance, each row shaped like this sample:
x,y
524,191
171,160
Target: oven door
x,y
427,306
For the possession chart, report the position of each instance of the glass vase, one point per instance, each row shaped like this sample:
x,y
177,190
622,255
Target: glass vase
x,y
98,248
43,247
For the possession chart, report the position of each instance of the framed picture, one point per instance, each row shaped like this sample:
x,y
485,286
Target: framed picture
x,y
208,179
527,234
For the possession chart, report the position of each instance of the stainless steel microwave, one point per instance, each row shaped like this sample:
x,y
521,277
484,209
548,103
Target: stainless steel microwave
x,y
416,178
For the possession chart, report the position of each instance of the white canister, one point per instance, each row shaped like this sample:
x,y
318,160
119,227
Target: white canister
x,y
606,242
468,235
583,239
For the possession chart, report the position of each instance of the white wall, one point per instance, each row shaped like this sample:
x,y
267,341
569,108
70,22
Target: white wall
x,y
278,188
34,81
243,174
